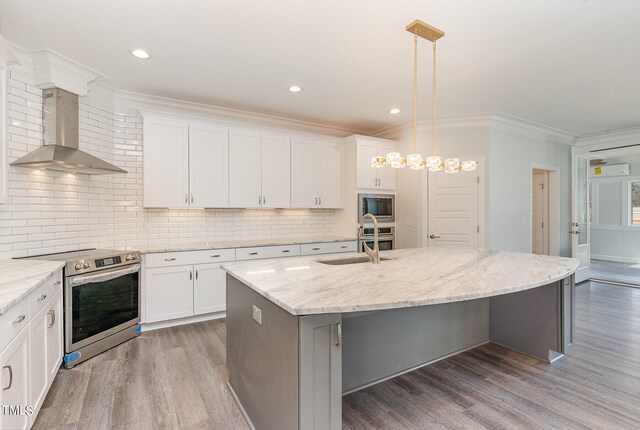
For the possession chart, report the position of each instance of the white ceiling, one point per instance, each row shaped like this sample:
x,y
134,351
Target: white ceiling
x,y
571,64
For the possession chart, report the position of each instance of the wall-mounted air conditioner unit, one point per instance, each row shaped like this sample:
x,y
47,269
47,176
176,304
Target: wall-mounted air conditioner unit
x,y
609,171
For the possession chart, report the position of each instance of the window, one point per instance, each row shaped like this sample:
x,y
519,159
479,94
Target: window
x,y
635,203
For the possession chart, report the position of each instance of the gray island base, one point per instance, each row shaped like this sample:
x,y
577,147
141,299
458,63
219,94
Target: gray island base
x,y
289,370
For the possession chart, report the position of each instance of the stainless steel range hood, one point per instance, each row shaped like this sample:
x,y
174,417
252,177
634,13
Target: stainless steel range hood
x,y
60,147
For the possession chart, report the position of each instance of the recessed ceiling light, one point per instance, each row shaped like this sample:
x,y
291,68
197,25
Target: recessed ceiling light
x,y
140,53
295,89
394,111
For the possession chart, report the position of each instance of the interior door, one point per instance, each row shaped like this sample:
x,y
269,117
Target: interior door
x,y
209,166
581,224
304,179
276,171
329,175
453,209
245,169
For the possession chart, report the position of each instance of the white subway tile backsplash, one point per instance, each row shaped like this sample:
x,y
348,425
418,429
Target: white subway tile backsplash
x,y
55,212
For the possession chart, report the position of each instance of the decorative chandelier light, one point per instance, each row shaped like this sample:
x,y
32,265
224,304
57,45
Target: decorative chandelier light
x,y
415,161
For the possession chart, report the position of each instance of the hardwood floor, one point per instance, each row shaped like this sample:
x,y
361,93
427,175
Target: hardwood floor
x,y
175,379
626,273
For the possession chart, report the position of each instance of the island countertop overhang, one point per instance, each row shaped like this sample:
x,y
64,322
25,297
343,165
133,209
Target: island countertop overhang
x,y
414,277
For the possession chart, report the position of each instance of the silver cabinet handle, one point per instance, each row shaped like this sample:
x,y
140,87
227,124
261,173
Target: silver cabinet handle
x,y
344,246
315,249
53,318
191,198
316,201
190,275
215,256
56,283
19,319
264,200
42,297
320,201
10,377
169,259
259,200
253,253
433,236
196,275
339,337
286,250
186,198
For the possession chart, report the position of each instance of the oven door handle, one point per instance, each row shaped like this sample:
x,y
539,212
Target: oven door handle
x,y
105,276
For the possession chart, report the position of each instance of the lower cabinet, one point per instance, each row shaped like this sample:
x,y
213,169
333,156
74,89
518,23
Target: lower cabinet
x,y
54,336
209,289
169,293
14,396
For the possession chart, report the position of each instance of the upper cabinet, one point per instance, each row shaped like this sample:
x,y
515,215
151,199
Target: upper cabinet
x,y
315,174
199,164
370,177
165,163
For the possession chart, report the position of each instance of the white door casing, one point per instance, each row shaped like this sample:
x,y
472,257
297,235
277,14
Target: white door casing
x,y
580,224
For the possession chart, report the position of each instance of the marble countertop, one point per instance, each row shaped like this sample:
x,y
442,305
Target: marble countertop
x,y
415,277
196,246
18,278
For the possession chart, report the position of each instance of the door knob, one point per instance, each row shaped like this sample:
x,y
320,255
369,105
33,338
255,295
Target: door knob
x,y
433,236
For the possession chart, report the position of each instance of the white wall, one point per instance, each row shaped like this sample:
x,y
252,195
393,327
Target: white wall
x,y
514,151
612,238
52,211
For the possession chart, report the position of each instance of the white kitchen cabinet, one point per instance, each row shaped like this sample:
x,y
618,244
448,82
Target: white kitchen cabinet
x,y
245,169
169,293
14,379
38,366
370,177
165,163
315,175
276,171
208,166
54,336
209,289
329,169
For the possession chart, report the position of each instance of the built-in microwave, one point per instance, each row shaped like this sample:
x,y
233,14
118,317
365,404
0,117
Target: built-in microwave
x,y
381,206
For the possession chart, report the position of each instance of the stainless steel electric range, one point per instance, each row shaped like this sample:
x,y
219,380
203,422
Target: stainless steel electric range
x,y
101,300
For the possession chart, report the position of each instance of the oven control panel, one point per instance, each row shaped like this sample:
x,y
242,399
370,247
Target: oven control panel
x,y
104,262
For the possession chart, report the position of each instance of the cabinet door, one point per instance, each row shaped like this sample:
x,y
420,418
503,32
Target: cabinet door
x,y
208,166
209,289
14,381
329,173
366,176
38,369
245,176
165,163
168,293
386,175
276,171
303,174
54,336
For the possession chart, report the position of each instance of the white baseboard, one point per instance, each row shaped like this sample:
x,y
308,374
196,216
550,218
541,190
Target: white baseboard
x,y
182,321
615,258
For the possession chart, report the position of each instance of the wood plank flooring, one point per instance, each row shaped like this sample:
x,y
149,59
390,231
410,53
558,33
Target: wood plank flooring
x,y
175,379
627,273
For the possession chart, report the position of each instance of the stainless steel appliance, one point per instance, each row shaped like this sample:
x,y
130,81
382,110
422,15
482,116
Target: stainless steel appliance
x,y
386,238
101,300
381,206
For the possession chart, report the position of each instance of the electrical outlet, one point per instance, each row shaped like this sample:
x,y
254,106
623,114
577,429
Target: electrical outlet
x,y
257,314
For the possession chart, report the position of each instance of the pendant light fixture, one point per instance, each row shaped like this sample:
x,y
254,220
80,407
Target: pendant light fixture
x,y
414,160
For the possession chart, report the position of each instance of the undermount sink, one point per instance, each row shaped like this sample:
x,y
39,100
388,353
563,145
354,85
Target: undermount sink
x,y
353,260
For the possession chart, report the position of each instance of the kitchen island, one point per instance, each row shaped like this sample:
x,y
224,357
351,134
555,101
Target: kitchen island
x,y
301,333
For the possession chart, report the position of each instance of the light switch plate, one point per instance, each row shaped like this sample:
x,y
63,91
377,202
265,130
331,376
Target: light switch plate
x,y
257,314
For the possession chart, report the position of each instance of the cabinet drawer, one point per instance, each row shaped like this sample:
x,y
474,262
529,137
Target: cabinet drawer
x,y
328,248
258,252
14,320
44,293
187,258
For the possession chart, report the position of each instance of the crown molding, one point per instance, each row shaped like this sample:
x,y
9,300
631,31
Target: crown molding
x,y
522,127
627,136
51,69
426,124
128,102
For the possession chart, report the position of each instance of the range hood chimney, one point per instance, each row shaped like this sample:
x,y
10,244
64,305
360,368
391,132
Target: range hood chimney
x,y
59,150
